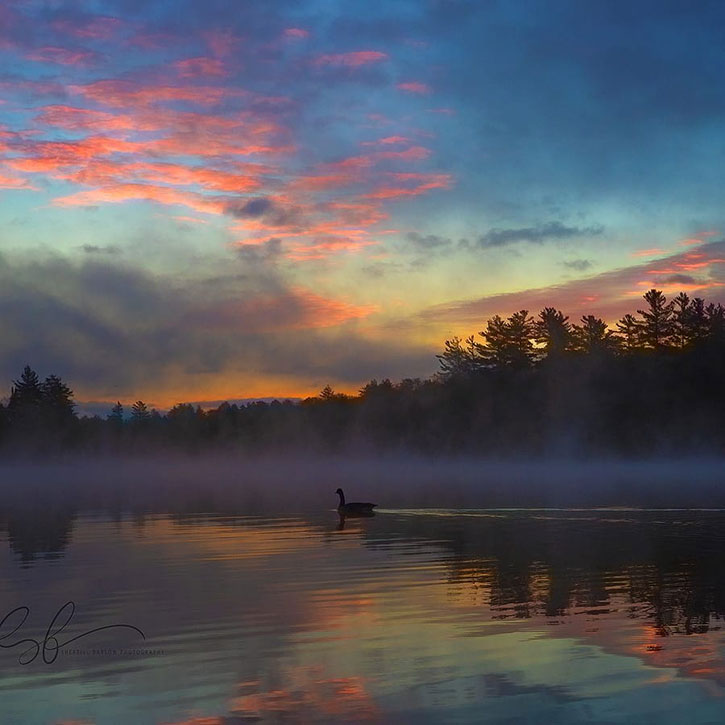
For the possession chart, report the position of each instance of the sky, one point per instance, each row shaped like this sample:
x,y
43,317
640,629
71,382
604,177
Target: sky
x,y
210,200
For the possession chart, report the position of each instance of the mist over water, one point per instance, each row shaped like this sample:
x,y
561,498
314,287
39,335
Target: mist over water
x,y
208,483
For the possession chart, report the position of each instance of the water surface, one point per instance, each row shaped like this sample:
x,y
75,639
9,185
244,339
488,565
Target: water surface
x,y
497,615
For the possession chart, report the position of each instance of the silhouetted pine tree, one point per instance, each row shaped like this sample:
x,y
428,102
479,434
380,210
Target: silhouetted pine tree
x,y
509,343
593,336
682,328
657,321
115,417
458,360
327,393
553,331
629,332
57,400
25,404
698,322
26,390
140,412
715,324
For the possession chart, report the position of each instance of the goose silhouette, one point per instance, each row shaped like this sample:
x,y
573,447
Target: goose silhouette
x,y
354,508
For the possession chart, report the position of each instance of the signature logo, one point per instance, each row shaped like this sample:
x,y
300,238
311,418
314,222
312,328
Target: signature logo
x,y
50,645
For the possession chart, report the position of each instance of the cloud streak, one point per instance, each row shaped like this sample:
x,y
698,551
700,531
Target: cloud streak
x,y
609,295
351,59
536,235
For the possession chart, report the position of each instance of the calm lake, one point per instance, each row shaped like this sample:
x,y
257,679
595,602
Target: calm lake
x,y
412,616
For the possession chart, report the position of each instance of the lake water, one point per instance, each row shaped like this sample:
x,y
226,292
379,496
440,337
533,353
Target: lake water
x,y
412,616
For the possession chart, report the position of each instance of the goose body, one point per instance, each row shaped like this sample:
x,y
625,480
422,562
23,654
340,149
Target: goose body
x,y
354,507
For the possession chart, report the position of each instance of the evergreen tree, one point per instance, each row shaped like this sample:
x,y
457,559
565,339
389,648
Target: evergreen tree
x,y
508,343
592,336
115,417
682,328
629,332
715,323
57,400
27,392
26,400
553,331
377,389
457,360
657,321
327,393
698,321
140,412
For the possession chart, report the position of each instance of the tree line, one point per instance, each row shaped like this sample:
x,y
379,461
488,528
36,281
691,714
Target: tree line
x,y
539,386
522,340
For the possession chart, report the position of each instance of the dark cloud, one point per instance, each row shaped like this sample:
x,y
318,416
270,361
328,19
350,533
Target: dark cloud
x,y
270,251
427,241
378,270
535,235
109,249
251,208
261,207
113,329
578,265
679,279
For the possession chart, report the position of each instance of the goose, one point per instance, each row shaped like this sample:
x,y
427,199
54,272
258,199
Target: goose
x,y
354,507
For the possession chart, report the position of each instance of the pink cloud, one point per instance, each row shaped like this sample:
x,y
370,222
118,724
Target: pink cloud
x,y
173,141
354,170
75,152
314,230
322,311
63,56
98,28
152,41
414,153
87,162
178,174
296,33
320,248
299,309
387,141
34,88
319,182
85,119
421,184
189,219
10,181
198,67
354,59
141,192
361,214
416,87
127,94
221,43
648,252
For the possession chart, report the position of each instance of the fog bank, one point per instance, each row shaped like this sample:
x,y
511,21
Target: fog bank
x,y
207,484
